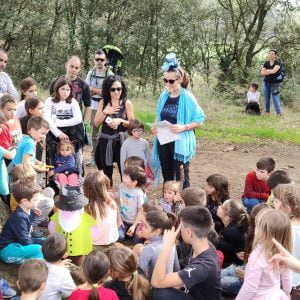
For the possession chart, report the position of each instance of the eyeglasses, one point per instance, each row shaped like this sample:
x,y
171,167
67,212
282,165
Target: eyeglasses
x,y
138,130
118,89
171,81
100,59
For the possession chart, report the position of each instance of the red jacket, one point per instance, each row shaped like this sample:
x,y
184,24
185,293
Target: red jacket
x,y
5,137
255,188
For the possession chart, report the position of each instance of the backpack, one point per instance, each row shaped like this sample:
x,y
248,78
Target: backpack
x,y
282,72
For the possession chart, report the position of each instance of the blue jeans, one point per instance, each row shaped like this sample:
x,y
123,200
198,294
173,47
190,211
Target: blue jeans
x,y
249,203
16,253
230,282
170,293
272,89
122,234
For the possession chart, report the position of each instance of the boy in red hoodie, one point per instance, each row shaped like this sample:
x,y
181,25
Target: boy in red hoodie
x,y
256,187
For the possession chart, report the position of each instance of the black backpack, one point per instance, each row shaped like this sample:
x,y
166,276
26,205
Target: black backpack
x,y
282,72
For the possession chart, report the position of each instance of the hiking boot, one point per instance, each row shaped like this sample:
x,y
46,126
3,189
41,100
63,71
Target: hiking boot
x,y
7,292
90,163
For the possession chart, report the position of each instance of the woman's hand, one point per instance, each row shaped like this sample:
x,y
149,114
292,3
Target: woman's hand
x,y
110,110
177,128
114,123
63,137
154,130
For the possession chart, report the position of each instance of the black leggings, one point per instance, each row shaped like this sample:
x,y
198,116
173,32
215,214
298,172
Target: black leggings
x,y
100,155
170,167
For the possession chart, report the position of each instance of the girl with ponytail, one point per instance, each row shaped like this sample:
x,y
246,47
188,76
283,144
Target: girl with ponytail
x,y
95,269
232,238
128,282
155,223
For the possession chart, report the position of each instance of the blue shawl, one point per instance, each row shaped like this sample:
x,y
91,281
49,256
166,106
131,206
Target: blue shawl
x,y
188,111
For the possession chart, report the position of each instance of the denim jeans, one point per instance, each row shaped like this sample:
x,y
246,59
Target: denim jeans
x,y
122,234
249,203
170,293
272,89
230,282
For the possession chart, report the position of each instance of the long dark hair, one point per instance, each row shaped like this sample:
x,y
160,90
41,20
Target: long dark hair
x,y
220,183
95,269
107,84
158,219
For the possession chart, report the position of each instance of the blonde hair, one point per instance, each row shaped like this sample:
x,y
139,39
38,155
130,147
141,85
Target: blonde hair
x,y
96,187
23,171
171,185
289,196
66,143
271,223
124,264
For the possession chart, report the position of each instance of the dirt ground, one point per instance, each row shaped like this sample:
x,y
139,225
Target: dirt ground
x,y
234,162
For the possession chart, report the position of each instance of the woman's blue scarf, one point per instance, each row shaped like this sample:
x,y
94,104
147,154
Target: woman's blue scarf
x,y
188,111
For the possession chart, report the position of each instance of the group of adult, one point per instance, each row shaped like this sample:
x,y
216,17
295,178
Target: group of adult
x,y
102,100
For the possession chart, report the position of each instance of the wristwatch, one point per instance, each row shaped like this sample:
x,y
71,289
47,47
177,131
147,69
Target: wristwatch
x,y
187,127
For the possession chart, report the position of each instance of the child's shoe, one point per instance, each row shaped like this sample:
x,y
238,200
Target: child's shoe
x,y
37,233
7,292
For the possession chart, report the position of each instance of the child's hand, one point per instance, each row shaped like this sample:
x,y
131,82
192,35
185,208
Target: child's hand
x,y
241,255
240,273
66,262
177,198
170,236
63,137
37,212
130,231
50,173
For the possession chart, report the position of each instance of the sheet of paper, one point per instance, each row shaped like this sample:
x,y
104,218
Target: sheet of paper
x,y
164,133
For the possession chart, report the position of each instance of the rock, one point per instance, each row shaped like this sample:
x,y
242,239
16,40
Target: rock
x,y
291,167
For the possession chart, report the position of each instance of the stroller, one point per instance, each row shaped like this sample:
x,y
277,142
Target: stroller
x,y
114,58
77,137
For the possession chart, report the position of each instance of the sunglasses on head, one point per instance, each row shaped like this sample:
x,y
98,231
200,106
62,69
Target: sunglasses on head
x,y
100,59
118,89
171,81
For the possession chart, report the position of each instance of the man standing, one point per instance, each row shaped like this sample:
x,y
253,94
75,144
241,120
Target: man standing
x,y
95,79
271,71
6,84
80,89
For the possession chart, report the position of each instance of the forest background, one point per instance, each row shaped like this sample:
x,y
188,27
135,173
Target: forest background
x,y
221,43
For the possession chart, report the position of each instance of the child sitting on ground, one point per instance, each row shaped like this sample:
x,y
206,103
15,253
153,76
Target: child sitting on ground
x,y
155,223
59,282
287,199
131,198
16,243
262,279
126,281
256,188
37,129
66,169
217,191
171,201
95,269
8,106
232,238
102,207
253,95
32,278
277,177
201,276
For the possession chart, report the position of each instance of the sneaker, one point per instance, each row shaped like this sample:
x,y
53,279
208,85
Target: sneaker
x,y
90,163
44,223
7,292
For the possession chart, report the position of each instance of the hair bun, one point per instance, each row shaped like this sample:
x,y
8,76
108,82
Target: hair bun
x,y
170,62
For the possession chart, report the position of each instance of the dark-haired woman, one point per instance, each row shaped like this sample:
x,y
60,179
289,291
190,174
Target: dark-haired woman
x,y
114,113
179,107
63,113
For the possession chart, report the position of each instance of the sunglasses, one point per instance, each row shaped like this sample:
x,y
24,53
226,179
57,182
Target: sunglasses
x,y
118,89
100,59
171,81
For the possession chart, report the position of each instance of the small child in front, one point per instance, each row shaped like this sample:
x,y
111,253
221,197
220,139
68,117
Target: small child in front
x,y
32,279
201,276
59,282
256,188
131,198
16,243
253,99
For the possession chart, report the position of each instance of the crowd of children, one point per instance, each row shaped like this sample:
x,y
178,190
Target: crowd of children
x,y
190,243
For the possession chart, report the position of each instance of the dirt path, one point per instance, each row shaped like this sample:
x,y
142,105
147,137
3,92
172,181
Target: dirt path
x,y
234,161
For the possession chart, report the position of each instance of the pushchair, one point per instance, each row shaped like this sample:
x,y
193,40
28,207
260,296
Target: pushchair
x,y
77,137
